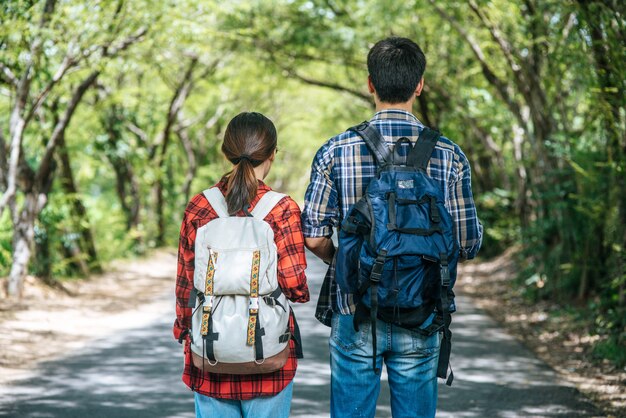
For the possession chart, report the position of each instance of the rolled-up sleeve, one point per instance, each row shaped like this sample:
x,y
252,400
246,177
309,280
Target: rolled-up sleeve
x,y
321,211
290,248
469,230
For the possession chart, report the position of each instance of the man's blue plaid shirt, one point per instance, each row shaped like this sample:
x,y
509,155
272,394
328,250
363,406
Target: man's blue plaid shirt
x,y
341,171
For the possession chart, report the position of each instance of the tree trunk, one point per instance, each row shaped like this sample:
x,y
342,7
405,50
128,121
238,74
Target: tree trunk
x,y
81,222
3,163
23,241
521,203
183,135
43,261
17,120
178,100
160,216
604,44
126,183
36,194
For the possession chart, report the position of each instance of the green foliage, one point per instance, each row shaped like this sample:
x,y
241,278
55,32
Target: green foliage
x,y
6,232
612,349
610,324
501,226
530,91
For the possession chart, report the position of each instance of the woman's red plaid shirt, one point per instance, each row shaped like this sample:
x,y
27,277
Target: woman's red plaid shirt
x,y
285,222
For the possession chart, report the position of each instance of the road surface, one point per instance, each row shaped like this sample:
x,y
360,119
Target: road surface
x,y
136,373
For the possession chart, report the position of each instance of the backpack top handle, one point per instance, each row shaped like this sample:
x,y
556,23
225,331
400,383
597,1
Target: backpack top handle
x,y
418,156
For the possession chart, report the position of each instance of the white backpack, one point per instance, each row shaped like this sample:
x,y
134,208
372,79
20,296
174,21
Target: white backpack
x,y
240,317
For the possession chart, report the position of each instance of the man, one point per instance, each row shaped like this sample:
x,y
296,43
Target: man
x,y
340,173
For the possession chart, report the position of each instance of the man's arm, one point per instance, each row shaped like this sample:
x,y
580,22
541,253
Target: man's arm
x,y
321,212
463,210
322,247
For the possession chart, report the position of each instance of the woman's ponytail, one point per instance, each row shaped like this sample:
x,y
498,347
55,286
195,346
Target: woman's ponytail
x,y
242,186
250,140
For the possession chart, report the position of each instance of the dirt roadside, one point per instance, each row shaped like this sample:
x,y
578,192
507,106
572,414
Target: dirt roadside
x,y
556,341
49,323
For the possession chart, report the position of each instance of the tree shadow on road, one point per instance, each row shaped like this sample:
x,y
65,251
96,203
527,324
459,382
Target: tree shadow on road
x,y
137,374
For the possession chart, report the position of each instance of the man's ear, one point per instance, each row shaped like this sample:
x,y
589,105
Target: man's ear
x,y
370,85
420,86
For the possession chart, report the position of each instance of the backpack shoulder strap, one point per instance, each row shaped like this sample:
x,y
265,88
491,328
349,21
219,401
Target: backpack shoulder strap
x,y
265,205
374,141
217,201
422,150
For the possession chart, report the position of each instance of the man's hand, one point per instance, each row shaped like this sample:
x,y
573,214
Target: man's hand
x,y
322,247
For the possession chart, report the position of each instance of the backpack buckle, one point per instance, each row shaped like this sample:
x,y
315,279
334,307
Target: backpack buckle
x,y
254,304
269,301
377,268
361,126
207,304
434,210
376,274
445,276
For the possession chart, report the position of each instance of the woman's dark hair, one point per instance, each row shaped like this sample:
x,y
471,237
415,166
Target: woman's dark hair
x,y
250,139
396,66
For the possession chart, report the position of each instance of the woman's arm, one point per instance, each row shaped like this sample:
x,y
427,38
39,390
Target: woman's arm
x,y
185,268
290,247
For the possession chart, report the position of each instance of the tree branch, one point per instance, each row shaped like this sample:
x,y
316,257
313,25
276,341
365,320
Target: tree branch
x,y
67,63
71,61
180,95
61,126
335,9
139,133
184,123
8,75
191,159
17,123
3,162
109,51
215,118
365,97
506,48
210,69
501,87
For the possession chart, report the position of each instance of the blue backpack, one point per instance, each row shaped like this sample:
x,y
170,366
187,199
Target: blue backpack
x,y
397,250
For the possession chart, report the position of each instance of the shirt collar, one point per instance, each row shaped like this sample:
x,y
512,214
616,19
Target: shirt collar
x,y
396,114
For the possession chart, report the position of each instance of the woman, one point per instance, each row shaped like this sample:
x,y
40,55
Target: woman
x,y
250,145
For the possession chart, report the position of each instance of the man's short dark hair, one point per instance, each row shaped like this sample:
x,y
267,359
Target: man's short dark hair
x,y
396,66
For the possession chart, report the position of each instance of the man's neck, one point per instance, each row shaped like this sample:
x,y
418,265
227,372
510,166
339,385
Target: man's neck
x,y
407,106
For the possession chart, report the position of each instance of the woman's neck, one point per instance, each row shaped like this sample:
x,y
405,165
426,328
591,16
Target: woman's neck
x,y
260,171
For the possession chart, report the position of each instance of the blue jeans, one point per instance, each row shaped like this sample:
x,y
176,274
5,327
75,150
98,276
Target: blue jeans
x,y
277,406
411,361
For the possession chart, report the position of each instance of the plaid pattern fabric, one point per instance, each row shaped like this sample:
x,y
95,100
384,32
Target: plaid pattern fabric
x,y
285,222
341,171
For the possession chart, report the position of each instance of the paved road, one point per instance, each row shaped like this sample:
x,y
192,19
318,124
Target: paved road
x,y
136,374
